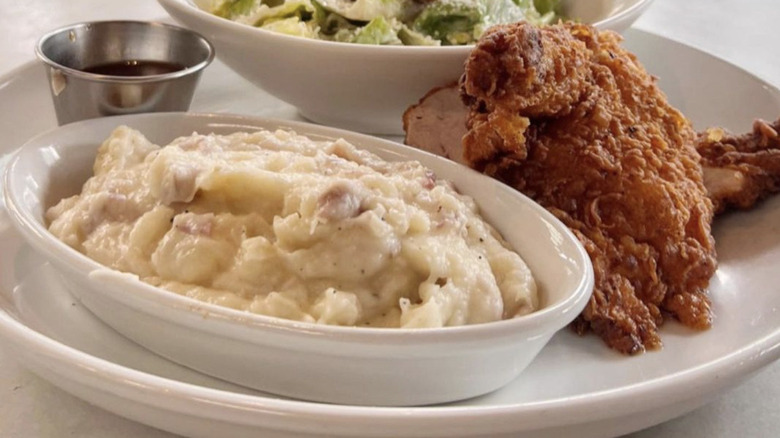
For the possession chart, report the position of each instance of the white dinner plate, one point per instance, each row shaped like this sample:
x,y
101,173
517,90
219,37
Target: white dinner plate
x,y
576,387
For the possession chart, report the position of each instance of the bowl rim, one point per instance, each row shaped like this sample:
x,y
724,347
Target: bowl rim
x,y
96,77
546,319
194,11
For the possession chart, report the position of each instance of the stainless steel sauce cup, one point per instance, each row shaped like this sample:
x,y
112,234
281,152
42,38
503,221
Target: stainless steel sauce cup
x,y
93,68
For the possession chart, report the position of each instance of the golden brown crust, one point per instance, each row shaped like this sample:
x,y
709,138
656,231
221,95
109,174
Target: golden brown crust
x,y
742,169
568,117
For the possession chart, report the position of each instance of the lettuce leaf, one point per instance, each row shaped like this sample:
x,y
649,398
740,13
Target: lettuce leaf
x,y
331,23
302,9
232,9
366,10
291,26
452,21
413,38
378,31
548,6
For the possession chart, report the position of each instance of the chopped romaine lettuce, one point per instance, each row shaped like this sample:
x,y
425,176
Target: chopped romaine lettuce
x,y
291,26
410,37
330,22
510,11
451,21
408,22
366,10
546,7
504,11
535,15
232,9
379,31
259,16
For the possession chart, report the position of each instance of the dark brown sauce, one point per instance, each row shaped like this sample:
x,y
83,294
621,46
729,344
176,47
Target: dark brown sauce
x,y
134,68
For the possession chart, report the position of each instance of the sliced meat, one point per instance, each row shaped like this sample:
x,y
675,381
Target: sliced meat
x,y
438,123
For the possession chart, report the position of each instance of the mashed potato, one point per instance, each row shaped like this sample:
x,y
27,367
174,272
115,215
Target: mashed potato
x,y
277,224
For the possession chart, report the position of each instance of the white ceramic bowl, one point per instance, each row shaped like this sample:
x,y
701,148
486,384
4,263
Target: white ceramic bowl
x,y
323,363
352,86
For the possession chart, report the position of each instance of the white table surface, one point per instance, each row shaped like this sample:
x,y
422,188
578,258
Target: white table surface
x,y
744,32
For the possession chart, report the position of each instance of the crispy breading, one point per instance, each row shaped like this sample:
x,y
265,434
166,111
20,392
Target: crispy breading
x,y
740,170
571,119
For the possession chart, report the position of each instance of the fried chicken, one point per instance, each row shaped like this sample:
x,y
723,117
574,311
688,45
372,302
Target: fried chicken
x,y
569,118
739,171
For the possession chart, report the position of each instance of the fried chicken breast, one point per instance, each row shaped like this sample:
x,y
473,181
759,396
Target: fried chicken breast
x,y
568,117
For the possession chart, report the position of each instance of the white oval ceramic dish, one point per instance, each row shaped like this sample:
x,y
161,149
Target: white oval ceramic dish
x,y
353,365
575,388
358,87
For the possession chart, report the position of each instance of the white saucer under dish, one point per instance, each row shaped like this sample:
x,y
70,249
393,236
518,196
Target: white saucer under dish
x,y
576,387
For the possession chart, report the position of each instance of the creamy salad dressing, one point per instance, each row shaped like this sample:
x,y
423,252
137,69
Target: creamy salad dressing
x,y
385,22
277,224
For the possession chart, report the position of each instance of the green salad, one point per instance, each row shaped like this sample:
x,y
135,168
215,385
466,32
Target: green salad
x,y
387,22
